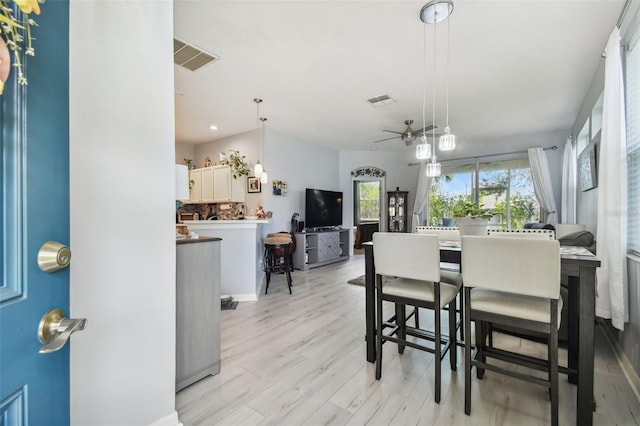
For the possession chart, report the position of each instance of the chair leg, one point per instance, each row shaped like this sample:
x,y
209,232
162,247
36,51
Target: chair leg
x,y
416,317
267,268
461,308
467,354
481,341
401,319
453,348
287,268
553,360
379,315
438,341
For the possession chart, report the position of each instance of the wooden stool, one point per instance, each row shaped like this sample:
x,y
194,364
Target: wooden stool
x,y
277,257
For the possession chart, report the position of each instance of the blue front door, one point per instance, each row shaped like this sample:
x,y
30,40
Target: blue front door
x,y
34,387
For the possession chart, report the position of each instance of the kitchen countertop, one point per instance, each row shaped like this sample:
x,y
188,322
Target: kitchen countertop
x,y
225,222
188,240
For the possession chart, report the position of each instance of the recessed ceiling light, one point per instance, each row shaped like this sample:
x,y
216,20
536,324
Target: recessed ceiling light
x,y
213,127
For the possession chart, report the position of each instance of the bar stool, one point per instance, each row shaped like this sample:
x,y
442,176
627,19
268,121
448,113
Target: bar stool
x,y
277,259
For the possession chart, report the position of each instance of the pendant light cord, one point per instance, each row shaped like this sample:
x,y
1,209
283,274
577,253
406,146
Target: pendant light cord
x,y
426,80
433,105
447,70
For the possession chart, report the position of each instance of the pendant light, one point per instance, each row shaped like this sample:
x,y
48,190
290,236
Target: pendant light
x,y
258,170
447,141
264,178
432,13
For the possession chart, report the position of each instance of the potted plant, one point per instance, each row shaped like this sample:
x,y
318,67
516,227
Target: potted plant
x,y
472,219
236,161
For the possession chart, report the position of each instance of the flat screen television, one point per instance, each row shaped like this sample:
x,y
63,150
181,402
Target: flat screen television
x,y
322,208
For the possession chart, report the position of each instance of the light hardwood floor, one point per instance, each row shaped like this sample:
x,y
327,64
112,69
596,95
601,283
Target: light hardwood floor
x,y
300,360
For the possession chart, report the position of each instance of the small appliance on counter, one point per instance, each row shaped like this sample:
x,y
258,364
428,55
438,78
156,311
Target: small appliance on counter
x,y
187,216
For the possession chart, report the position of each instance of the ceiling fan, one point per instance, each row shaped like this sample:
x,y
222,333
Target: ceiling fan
x,y
409,135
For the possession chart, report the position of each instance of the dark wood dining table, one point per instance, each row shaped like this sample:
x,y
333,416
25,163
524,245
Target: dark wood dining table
x,y
578,272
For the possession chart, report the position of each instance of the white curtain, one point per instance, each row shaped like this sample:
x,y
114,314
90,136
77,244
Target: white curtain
x,y
542,185
569,186
612,301
421,203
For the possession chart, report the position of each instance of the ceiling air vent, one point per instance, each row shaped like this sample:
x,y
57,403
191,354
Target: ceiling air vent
x,y
191,57
381,100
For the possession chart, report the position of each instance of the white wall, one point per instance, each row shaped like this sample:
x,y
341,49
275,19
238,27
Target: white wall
x,y
122,212
301,165
184,150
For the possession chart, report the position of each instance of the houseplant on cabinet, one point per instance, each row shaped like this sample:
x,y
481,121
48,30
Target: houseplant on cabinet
x,y
472,219
236,161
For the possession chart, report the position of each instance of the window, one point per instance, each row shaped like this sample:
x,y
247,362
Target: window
x,y
633,142
505,186
367,201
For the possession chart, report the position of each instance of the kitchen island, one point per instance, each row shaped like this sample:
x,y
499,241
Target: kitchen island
x,y
241,254
197,309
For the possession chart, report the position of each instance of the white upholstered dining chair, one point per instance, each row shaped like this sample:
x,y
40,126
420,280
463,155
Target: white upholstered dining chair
x,y
516,282
414,261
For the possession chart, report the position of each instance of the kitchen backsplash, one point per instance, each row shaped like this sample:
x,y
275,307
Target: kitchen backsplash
x,y
223,211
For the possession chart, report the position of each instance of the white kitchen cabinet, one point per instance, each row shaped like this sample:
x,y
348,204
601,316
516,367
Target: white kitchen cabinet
x,y
202,186
225,187
195,187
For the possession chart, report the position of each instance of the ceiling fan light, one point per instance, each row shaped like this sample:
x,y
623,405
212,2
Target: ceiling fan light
x,y
423,151
257,170
434,170
447,141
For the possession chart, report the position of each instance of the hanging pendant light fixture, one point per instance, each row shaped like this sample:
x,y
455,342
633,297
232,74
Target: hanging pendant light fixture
x,y
264,178
432,13
258,170
447,141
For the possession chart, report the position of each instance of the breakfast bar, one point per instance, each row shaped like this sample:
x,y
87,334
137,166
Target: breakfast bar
x,y
241,254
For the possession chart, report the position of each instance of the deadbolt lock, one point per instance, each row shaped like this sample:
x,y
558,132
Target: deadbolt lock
x,y
53,256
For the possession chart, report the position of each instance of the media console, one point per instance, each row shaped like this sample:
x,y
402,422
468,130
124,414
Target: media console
x,y
315,249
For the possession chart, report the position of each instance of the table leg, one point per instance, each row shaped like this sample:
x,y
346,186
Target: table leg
x,y
573,328
370,303
587,303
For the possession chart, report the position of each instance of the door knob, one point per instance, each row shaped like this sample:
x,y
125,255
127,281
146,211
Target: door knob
x,y
55,329
53,256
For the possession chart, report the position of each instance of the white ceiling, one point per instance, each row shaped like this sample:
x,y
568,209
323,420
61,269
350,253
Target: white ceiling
x,y
516,67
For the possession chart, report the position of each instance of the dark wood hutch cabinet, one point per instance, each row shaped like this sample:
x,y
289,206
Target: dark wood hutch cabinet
x,y
397,205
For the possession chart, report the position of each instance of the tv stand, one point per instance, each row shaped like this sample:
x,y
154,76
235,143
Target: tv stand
x,y
318,248
323,229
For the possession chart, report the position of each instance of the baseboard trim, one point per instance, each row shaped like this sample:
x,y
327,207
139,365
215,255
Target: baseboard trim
x,y
168,420
626,366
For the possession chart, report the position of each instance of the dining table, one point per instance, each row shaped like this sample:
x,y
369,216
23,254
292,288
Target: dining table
x,y
578,271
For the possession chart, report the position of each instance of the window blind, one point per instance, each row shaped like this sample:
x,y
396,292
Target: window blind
x,y
632,71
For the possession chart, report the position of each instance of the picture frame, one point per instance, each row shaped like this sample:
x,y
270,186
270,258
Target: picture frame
x,y
279,187
254,185
587,168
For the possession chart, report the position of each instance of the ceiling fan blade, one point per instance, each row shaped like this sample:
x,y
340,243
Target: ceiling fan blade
x,y
427,128
393,131
387,139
